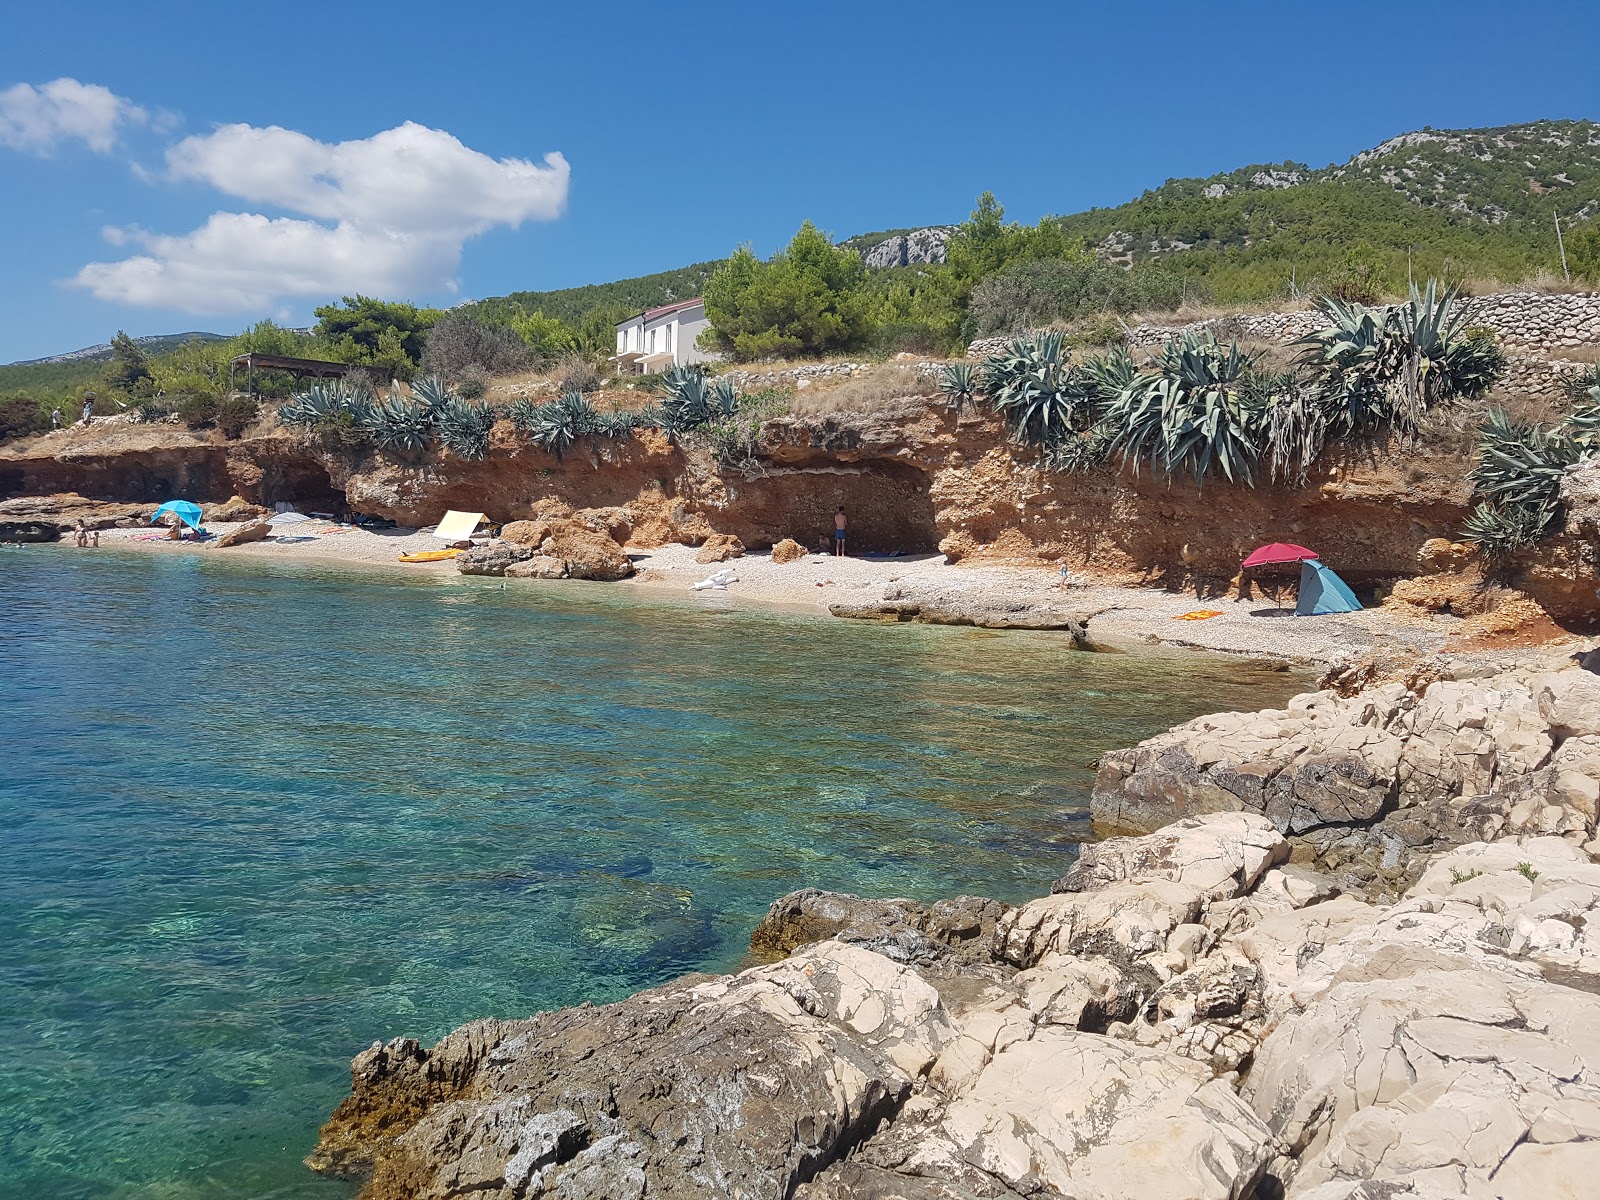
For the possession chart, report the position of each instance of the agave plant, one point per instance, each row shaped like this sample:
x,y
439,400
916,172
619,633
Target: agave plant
x,y
686,400
553,427
1108,374
324,400
1521,466
398,424
1078,452
621,423
724,400
1034,386
1392,365
464,426
1499,532
958,384
524,414
1192,414
1583,425
433,394
1293,421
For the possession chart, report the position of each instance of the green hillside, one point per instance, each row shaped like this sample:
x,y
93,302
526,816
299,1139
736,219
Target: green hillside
x,y
1461,204
625,296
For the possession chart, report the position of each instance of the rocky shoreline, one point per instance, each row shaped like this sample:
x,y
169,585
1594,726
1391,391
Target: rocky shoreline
x,y
1354,958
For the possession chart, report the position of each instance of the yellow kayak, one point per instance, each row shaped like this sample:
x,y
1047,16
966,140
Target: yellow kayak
x,y
429,556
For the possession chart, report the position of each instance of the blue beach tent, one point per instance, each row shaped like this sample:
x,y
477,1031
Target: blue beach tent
x,y
185,510
1321,591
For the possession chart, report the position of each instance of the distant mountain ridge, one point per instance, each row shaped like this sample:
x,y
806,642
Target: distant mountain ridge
x,y
156,343
1488,194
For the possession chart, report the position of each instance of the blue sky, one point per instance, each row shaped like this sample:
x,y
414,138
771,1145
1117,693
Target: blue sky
x,y
213,164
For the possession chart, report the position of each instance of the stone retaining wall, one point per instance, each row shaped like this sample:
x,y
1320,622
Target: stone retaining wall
x,y
1531,322
804,376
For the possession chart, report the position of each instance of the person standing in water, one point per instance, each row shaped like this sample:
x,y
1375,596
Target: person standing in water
x,y
838,533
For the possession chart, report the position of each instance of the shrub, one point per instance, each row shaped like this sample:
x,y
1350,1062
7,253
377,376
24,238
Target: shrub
x,y
459,341
1033,293
807,299
472,383
21,416
733,435
574,373
234,414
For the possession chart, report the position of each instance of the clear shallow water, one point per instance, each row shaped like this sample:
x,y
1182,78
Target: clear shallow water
x,y
256,818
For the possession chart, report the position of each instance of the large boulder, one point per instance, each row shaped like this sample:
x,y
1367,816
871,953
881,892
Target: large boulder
x,y
743,1085
29,531
525,533
1220,855
968,604
537,567
235,509
256,531
787,551
589,553
956,934
720,547
491,559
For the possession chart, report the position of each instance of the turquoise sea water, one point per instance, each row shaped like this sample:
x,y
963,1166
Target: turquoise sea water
x,y
255,818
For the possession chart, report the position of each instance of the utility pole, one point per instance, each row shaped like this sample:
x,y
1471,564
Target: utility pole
x,y
1561,245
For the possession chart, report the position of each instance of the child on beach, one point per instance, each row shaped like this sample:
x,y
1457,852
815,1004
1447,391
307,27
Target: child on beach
x,y
838,533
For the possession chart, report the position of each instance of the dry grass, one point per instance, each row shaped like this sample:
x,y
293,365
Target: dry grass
x,y
887,387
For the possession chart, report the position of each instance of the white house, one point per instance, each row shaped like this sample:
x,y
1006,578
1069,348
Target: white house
x,y
661,337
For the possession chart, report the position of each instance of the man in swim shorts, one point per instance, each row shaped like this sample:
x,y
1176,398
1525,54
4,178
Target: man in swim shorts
x,y
838,533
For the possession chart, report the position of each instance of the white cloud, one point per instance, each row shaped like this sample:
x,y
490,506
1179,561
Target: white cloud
x,y
388,215
38,119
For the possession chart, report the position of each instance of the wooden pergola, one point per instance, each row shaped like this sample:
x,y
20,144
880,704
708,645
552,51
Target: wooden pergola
x,y
300,368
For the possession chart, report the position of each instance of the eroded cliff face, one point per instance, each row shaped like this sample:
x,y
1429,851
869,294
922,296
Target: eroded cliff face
x,y
910,476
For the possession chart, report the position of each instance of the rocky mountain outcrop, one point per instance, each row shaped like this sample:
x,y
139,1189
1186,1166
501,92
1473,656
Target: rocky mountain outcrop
x,y
1189,1015
917,247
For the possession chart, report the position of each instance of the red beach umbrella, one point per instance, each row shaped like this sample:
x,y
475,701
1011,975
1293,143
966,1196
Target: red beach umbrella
x,y
1276,553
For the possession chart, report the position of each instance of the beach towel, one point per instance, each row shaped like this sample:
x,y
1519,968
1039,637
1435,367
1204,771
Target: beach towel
x,y
1199,614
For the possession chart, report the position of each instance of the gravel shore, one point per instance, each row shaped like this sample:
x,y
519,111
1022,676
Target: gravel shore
x,y
1125,615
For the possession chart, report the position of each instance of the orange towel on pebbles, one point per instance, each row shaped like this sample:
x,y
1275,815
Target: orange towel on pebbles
x,y
1199,614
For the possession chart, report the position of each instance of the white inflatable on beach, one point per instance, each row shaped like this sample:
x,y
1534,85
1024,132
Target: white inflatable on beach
x,y
720,581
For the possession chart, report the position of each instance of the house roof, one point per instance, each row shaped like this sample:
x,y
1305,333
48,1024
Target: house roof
x,y
651,314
